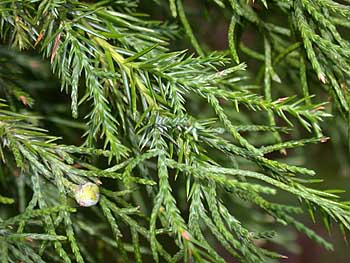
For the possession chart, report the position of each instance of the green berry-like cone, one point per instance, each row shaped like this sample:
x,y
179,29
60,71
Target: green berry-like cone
x,y
87,194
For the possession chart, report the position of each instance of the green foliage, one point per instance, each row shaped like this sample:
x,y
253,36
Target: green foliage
x,y
174,142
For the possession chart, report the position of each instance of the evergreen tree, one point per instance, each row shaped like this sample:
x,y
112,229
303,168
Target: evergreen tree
x,y
116,144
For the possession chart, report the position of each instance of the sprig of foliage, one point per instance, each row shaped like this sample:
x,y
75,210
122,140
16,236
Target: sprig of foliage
x,y
159,169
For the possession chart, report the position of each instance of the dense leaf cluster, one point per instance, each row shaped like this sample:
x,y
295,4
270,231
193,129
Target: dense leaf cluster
x,y
170,174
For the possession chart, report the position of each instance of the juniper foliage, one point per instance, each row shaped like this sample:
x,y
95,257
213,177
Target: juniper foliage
x,y
170,174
